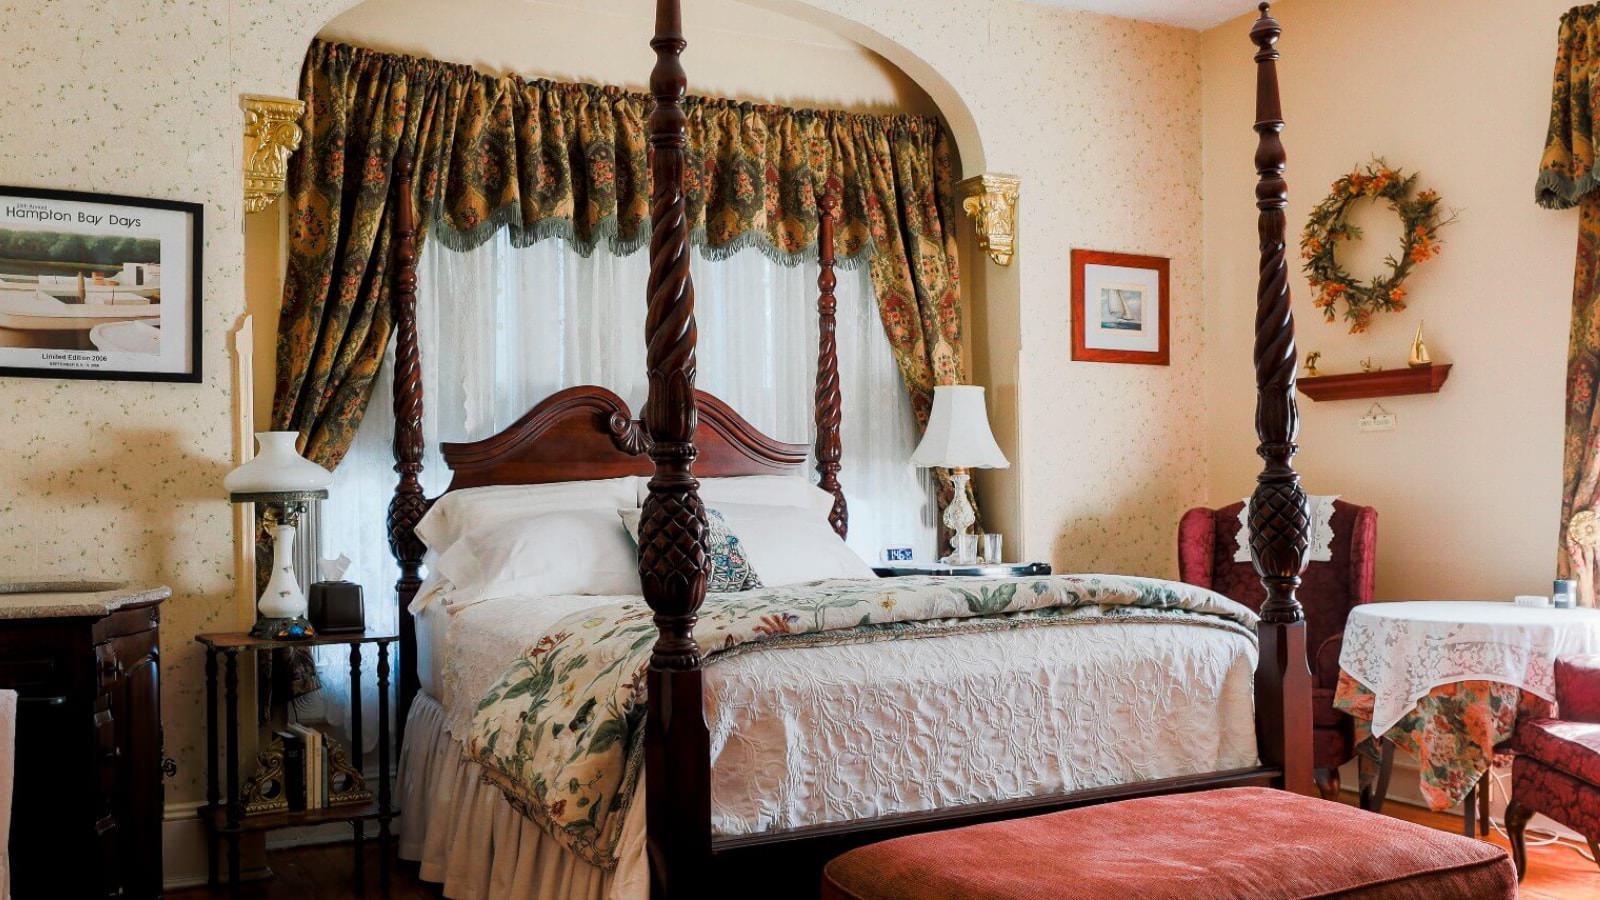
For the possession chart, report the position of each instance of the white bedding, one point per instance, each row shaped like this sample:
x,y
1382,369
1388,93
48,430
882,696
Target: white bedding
x,y
805,736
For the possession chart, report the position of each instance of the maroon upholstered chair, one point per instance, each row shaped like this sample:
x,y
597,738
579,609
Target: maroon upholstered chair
x,y
1207,541
1557,770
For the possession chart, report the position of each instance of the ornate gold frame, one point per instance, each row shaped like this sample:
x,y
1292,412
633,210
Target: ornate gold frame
x,y
271,133
991,201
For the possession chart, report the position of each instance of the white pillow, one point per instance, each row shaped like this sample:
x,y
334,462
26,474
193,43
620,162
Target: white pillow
x,y
789,544
584,551
459,513
759,490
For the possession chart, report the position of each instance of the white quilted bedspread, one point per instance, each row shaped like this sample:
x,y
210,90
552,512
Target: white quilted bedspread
x,y
806,736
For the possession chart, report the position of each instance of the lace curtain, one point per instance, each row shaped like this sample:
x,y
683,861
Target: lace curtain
x,y
502,327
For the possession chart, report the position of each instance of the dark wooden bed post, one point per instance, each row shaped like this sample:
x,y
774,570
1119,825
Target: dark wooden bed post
x,y
673,563
408,505
1280,522
829,405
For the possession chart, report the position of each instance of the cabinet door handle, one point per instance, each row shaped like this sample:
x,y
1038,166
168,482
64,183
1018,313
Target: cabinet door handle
x,y
57,700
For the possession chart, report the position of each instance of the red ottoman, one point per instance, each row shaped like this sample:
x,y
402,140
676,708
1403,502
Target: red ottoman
x,y
1237,843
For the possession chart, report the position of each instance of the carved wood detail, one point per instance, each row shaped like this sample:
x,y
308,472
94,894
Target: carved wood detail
x,y
587,432
408,505
1280,521
673,562
829,404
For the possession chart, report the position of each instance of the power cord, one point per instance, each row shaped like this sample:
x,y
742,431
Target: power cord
x,y
1499,779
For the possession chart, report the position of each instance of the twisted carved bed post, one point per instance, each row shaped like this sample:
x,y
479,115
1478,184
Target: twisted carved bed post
x,y
673,563
408,504
829,406
1280,523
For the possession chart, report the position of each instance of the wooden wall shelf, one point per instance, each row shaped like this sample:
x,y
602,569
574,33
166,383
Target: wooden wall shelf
x,y
1387,383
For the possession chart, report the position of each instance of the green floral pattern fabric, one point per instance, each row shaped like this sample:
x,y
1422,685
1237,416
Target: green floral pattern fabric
x,y
1569,169
1453,732
561,733
1568,174
545,159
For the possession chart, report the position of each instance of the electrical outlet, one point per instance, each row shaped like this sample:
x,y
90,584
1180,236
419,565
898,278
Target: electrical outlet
x,y
1377,422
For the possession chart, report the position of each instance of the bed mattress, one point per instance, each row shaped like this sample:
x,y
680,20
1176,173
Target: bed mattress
x,y
814,735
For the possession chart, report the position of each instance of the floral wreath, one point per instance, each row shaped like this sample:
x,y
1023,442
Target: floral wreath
x,y
1420,216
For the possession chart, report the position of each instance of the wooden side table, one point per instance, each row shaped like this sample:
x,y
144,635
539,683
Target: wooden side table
x,y
982,570
225,816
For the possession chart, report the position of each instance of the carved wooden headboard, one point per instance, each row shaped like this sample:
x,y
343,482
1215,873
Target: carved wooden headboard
x,y
587,432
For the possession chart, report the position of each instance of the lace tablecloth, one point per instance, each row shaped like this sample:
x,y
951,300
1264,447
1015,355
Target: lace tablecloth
x,y
1401,651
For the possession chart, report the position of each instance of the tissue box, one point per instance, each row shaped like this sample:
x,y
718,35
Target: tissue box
x,y
336,608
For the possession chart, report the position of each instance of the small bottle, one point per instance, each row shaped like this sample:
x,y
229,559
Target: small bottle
x,y
1565,594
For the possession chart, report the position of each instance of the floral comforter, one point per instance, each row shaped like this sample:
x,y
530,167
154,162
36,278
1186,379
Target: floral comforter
x,y
561,733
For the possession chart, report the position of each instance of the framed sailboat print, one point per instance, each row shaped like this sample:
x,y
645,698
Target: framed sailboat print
x,y
99,286
1119,308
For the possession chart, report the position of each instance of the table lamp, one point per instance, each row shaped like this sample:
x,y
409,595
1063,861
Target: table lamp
x,y
284,481
958,438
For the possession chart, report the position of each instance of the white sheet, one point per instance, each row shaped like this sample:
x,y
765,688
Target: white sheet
x,y
805,736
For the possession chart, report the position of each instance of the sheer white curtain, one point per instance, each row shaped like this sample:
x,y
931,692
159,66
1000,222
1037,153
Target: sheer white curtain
x,y
502,328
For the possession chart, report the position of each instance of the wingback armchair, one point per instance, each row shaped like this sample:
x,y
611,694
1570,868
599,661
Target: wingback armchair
x,y
1207,543
1557,769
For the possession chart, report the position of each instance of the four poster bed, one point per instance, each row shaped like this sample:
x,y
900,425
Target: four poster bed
x,y
685,836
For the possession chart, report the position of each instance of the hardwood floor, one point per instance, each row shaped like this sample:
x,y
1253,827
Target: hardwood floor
x,y
323,873
1554,872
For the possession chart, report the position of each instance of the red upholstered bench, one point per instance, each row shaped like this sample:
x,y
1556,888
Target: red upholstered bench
x,y
1242,842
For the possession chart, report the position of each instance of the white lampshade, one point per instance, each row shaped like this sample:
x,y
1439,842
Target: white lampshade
x,y
958,435
277,469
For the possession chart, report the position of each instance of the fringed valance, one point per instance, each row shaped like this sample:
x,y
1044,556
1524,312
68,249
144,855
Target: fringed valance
x,y
1569,168
551,160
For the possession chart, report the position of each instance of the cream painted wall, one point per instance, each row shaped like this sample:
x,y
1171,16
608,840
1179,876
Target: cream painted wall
x,y
1099,116
1468,485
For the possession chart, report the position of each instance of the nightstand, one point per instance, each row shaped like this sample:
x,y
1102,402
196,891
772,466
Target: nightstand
x,y
225,816
996,570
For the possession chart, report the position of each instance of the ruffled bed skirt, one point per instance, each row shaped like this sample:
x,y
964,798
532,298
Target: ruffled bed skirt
x,y
469,839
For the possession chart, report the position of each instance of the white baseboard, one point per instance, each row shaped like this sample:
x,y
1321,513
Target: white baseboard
x,y
183,846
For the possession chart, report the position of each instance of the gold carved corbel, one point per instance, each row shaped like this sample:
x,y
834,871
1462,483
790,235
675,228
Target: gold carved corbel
x,y
271,133
991,201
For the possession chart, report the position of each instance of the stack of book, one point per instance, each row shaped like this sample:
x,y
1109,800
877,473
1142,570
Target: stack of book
x,y
305,767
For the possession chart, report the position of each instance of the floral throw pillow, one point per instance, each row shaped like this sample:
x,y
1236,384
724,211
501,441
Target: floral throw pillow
x,y
730,568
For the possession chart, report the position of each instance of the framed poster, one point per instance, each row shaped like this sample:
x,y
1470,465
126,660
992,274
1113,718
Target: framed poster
x,y
1119,308
99,286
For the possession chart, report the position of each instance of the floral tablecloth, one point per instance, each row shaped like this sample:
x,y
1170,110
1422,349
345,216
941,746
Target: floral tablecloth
x,y
1453,731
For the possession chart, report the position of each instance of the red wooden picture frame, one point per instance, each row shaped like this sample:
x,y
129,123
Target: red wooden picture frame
x,y
1081,259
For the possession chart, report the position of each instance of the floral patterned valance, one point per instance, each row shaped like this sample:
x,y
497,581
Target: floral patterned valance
x,y
550,159
1569,167
544,159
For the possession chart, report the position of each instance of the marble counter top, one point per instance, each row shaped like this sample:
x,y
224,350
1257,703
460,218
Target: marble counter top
x,y
40,598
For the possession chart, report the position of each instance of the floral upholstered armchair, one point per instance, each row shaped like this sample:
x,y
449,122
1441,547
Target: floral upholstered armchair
x,y
1207,549
1557,769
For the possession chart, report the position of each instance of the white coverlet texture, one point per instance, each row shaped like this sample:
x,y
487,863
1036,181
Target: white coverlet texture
x,y
805,736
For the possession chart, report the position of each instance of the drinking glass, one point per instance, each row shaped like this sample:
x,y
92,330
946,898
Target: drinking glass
x,y
966,550
991,548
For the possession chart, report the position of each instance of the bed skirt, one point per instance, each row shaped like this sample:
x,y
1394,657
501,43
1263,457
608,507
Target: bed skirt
x,y
471,841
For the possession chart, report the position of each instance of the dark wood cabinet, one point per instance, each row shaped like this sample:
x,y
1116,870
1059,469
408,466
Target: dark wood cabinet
x,y
88,757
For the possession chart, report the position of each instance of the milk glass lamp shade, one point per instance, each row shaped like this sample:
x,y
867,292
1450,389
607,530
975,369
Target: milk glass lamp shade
x,y
958,435
284,480
277,469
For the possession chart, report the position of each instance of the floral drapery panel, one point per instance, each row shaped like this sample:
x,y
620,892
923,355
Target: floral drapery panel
x,y
545,159
1568,176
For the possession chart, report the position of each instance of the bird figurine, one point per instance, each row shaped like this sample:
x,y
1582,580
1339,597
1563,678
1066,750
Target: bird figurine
x,y
1419,351
1311,363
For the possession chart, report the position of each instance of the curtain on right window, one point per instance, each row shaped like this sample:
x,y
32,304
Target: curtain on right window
x,y
1568,176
